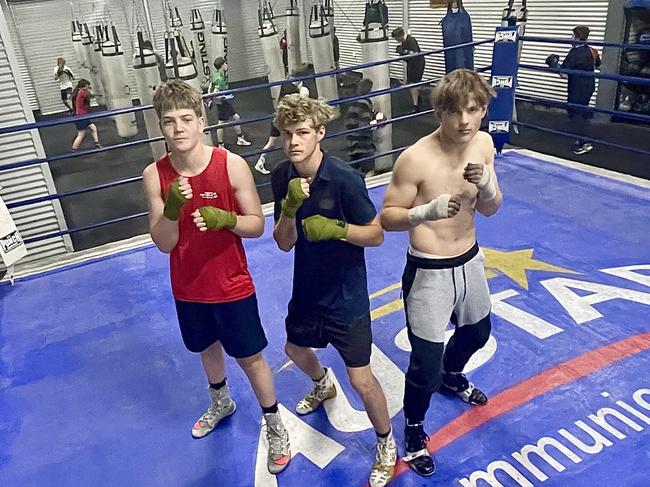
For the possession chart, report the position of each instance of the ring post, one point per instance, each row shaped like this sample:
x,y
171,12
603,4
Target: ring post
x,y
504,81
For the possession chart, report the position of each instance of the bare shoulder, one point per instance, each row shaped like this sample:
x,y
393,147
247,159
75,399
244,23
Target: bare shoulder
x,y
151,171
236,162
486,144
238,171
151,183
408,164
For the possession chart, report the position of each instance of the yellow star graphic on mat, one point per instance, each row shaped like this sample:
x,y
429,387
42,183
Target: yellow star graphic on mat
x,y
514,265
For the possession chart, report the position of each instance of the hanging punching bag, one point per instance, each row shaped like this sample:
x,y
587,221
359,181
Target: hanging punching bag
x,y
94,66
117,84
293,36
79,50
200,48
268,33
218,37
321,47
374,47
147,76
457,29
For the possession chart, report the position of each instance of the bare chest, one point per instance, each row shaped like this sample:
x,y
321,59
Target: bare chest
x,y
443,179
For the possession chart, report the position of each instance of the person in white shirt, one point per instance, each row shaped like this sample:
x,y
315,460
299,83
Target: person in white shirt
x,y
64,75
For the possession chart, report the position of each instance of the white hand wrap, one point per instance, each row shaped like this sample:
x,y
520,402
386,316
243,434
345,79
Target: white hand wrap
x,y
435,209
487,188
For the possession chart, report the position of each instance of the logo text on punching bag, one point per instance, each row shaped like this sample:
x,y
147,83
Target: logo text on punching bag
x,y
506,36
502,82
10,242
499,126
203,51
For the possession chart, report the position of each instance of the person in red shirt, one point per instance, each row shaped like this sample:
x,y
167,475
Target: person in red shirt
x,y
81,103
202,201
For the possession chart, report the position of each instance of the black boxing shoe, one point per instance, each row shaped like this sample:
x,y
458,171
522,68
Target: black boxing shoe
x,y
457,384
417,457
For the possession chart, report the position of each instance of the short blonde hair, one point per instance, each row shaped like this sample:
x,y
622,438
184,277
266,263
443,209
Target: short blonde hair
x,y
176,94
294,109
455,91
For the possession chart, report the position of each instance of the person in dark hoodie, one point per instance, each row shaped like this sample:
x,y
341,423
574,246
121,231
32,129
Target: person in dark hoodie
x,y
580,89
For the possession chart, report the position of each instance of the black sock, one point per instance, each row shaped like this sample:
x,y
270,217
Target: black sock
x,y
322,376
218,386
383,436
271,409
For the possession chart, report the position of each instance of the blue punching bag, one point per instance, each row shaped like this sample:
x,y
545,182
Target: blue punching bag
x,y
457,29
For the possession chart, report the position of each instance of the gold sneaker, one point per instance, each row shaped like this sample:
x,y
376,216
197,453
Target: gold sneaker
x,y
385,460
323,390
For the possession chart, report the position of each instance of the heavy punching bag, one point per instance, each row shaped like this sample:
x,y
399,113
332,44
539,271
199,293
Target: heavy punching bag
x,y
374,47
218,36
200,48
94,64
147,76
457,29
268,34
293,36
117,86
321,47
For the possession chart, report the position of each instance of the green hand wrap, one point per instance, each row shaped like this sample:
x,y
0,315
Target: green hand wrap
x,y
175,200
216,219
293,200
318,228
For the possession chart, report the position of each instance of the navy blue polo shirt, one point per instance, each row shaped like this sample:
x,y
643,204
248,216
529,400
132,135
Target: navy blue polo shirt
x,y
329,277
581,88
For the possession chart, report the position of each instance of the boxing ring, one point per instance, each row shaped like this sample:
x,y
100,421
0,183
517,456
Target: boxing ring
x,y
98,388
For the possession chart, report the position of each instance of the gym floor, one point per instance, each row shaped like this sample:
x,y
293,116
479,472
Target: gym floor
x,y
97,389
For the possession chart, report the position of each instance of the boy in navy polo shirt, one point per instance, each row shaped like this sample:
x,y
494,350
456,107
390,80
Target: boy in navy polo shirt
x,y
580,88
322,208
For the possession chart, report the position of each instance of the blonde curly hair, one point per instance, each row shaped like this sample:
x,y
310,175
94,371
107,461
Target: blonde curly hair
x,y
294,109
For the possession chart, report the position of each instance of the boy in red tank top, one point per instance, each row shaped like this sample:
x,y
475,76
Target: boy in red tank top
x,y
202,201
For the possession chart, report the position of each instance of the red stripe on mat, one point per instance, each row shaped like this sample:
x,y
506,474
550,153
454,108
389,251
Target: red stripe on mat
x,y
528,390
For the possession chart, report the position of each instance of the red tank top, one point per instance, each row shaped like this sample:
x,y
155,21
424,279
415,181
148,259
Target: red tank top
x,y
82,102
207,267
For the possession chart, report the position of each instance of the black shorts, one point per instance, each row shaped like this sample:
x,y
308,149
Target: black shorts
x,y
225,110
82,124
275,132
414,70
352,339
66,94
236,325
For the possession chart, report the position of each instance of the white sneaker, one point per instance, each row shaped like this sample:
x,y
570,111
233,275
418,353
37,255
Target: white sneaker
x,y
583,149
260,167
385,460
242,141
221,407
279,454
323,390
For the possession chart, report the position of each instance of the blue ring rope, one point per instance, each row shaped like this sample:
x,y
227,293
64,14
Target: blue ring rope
x,y
70,155
551,40
584,108
121,111
614,77
40,199
582,137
